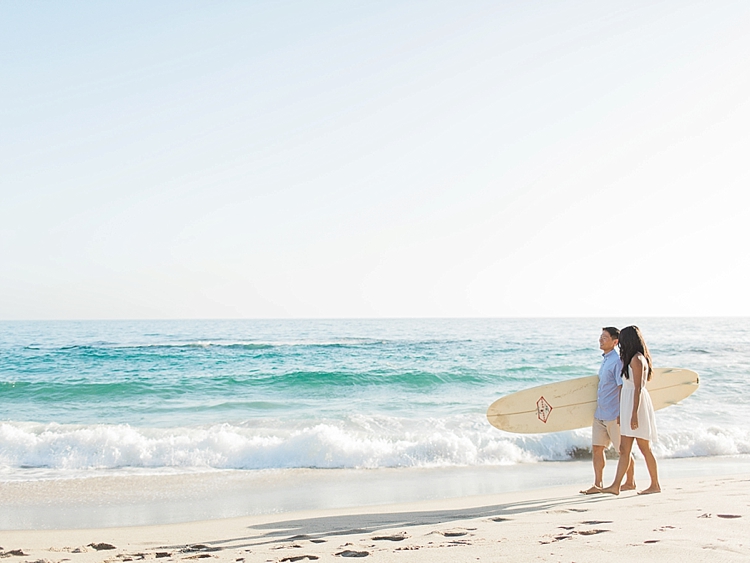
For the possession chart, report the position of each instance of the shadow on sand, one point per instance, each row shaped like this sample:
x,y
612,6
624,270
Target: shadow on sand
x,y
318,528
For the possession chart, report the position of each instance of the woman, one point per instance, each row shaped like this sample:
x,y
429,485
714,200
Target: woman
x,y
637,420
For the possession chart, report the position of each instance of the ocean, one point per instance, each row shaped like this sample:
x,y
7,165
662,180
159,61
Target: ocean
x,y
111,398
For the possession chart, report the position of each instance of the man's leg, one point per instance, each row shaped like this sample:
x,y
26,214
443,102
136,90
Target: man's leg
x,y
599,442
599,462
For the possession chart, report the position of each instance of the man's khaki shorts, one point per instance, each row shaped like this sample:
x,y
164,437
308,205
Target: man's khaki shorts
x,y
605,431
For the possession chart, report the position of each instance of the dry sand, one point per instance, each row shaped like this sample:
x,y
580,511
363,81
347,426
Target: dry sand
x,y
694,519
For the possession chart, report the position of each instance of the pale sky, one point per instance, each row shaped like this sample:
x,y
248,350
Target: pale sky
x,y
274,159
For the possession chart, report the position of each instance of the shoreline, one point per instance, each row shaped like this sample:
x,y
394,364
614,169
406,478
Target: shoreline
x,y
158,500
701,518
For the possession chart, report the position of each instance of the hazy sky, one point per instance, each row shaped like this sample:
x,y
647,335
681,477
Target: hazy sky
x,y
374,159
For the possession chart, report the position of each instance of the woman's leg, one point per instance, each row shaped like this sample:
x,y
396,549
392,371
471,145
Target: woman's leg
x,y
653,471
626,445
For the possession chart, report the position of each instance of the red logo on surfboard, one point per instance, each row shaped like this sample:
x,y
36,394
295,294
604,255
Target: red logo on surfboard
x,y
543,408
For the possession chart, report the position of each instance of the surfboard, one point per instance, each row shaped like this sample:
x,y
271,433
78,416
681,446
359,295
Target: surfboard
x,y
567,405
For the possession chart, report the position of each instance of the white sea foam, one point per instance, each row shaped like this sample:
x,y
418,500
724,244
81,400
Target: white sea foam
x,y
354,443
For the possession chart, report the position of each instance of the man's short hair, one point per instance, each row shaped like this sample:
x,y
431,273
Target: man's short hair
x,y
613,332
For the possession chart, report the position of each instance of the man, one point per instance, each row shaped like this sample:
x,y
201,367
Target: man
x,y
606,427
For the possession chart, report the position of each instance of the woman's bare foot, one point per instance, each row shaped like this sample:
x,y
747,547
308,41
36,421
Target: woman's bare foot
x,y
650,491
592,491
612,490
628,486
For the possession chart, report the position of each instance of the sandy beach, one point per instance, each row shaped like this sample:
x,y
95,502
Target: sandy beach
x,y
695,519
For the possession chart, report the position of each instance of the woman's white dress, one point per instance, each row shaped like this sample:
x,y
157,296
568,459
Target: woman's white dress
x,y
646,419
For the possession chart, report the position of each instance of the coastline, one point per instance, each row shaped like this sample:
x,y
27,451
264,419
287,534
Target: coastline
x,y
701,518
126,500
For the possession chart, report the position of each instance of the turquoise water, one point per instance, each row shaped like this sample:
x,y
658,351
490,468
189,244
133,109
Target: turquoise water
x,y
85,397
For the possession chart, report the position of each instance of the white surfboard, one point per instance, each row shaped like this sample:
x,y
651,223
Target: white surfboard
x,y
567,405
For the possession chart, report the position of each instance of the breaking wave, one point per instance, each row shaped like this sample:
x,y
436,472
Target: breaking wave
x,y
359,442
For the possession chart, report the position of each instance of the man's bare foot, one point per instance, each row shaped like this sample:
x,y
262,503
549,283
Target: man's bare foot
x,y
628,487
650,491
612,490
592,491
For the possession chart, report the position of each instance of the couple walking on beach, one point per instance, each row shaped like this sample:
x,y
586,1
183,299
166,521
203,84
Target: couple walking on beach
x,y
624,411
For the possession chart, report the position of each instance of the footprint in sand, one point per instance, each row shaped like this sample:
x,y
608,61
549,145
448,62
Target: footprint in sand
x,y
729,516
300,558
500,519
199,547
596,522
590,532
571,532
350,553
453,533
395,537
101,546
556,538
651,541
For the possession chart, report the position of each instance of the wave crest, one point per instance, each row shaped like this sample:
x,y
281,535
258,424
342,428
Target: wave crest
x,y
358,442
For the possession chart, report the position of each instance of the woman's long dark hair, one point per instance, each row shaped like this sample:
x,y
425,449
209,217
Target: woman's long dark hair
x,y
631,342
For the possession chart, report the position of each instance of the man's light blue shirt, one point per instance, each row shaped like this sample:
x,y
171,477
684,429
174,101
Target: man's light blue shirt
x,y
608,392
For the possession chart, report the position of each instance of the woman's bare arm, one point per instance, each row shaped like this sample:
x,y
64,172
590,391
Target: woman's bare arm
x,y
639,367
